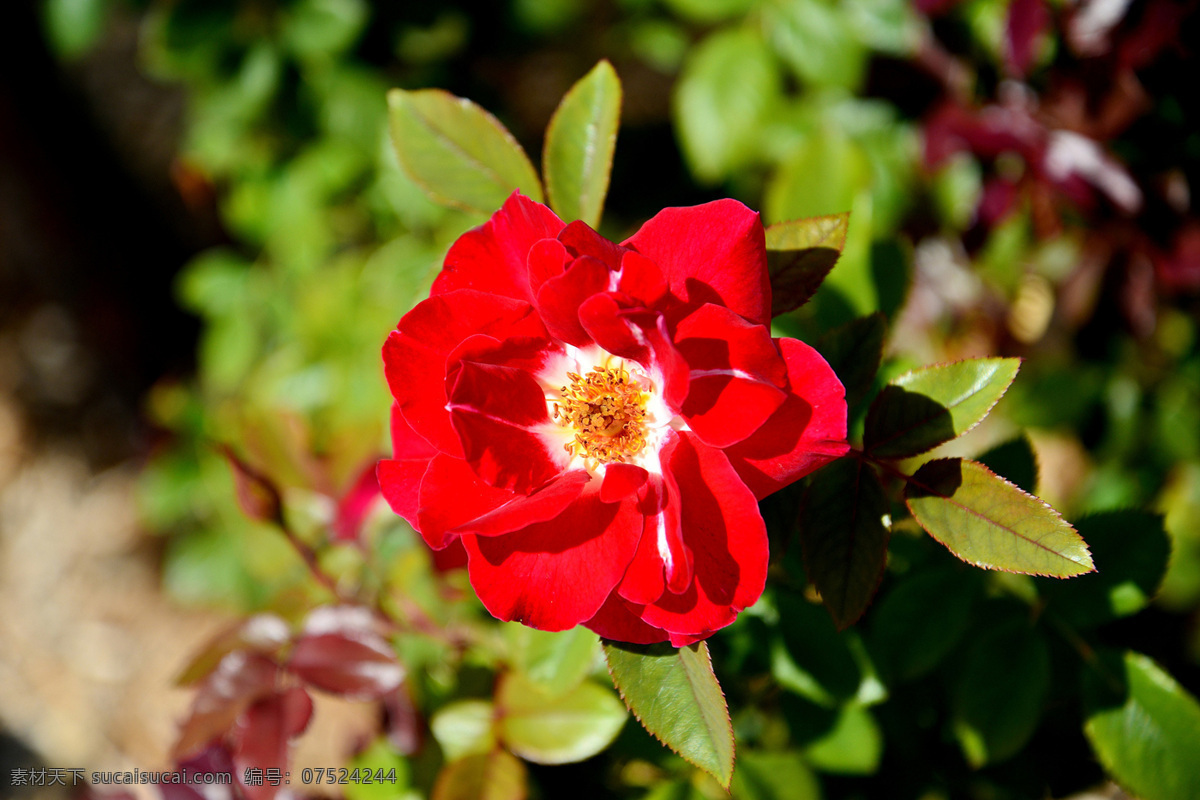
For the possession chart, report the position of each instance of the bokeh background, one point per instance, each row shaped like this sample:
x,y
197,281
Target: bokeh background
x,y
204,238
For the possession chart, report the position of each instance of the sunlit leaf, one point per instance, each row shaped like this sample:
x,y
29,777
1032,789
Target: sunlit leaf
x,y
728,85
579,146
556,730
1131,550
556,661
378,759
987,521
464,727
458,153
774,776
1000,691
932,405
854,350
800,253
676,697
844,535
1144,726
497,775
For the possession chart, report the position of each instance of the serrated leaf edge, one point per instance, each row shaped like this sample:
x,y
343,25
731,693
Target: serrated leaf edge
x,y
728,720
1054,511
965,431
842,216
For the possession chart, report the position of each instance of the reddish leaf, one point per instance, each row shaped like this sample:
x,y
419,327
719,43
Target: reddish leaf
x,y
262,736
402,721
341,652
264,634
238,681
1028,24
257,494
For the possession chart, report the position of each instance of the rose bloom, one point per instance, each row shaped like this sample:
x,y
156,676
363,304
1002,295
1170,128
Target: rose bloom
x,y
595,423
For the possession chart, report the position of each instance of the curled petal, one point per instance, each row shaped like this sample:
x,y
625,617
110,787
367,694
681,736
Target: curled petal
x,y
414,356
622,481
451,496
641,278
524,510
581,240
492,257
621,621
499,412
735,374
400,477
711,253
556,574
559,299
805,433
547,259
725,533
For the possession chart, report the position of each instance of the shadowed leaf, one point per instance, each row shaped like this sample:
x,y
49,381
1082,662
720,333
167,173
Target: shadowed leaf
x,y
774,776
458,153
930,406
579,147
676,697
1014,461
844,537
987,521
800,253
854,350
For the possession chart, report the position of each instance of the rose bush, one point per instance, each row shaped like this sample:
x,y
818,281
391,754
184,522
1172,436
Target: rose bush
x,y
595,422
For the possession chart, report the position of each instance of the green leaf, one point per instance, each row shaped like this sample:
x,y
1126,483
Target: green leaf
x,y
855,350
818,41
1131,550
1001,689
556,661
579,147
921,619
844,537
930,406
1144,727
458,153
73,26
1014,461
378,756
853,747
464,727
774,776
556,730
800,253
987,521
676,697
726,90
497,775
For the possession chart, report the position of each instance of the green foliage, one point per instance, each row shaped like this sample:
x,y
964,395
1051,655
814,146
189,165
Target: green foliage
x,y
580,141
675,695
988,522
550,729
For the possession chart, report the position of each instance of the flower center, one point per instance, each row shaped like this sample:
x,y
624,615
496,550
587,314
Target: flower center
x,y
606,409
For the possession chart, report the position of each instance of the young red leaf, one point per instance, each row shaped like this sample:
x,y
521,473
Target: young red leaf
x,y
262,735
676,697
265,634
257,494
341,652
238,681
844,536
987,521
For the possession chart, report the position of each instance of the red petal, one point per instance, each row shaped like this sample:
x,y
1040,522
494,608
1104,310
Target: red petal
x,y
414,356
583,241
499,412
722,526
621,622
356,503
621,481
602,316
452,556
712,253
493,258
559,299
400,478
641,279
452,495
524,510
556,574
805,433
547,259
663,561
735,372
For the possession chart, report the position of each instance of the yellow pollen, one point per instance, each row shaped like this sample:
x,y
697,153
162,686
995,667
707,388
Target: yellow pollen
x,y
606,409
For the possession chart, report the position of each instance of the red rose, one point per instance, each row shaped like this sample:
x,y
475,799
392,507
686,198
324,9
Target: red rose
x,y
595,422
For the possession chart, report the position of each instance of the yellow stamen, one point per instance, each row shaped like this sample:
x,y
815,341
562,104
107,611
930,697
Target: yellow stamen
x,y
607,411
